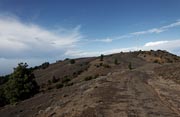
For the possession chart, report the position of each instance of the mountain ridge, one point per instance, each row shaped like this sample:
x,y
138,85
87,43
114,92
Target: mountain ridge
x,y
141,83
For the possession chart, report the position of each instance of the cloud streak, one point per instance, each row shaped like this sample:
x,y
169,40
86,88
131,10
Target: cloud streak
x,y
158,30
138,33
22,39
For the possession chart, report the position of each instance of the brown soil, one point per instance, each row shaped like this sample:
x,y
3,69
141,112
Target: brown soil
x,y
117,91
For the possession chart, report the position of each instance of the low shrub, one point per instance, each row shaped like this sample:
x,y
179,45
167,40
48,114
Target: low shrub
x,y
116,62
97,75
54,79
45,65
106,66
88,78
69,84
130,66
72,61
66,79
59,85
156,61
49,82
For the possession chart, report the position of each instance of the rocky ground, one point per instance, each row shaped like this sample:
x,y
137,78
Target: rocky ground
x,y
117,91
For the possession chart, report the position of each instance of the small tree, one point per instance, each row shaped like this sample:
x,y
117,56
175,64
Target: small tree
x,y
130,66
21,84
101,57
115,61
45,65
3,100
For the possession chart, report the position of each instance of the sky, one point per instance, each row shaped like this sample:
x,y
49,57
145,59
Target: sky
x,y
36,31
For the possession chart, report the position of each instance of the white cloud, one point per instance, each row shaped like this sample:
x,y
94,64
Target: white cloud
x,y
149,31
158,30
171,46
28,42
78,53
154,30
151,44
22,39
165,45
107,40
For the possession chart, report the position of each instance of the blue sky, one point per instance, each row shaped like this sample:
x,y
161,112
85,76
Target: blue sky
x,y
36,31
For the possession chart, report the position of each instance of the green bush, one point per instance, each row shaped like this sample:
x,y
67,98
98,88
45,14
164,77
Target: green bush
x,y
3,100
66,59
66,79
69,84
45,65
4,79
59,86
130,66
72,61
100,64
21,84
116,62
88,78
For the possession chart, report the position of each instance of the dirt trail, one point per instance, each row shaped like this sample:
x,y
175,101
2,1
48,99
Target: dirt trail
x,y
107,89
128,94
123,93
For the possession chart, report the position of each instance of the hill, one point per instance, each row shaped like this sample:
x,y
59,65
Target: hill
x,y
131,84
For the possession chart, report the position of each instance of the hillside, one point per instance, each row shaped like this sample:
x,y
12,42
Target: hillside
x,y
131,84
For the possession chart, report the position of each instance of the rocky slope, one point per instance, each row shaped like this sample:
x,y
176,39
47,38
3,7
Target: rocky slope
x,y
138,84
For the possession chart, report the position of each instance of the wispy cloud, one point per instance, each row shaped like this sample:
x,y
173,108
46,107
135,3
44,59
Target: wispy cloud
x,y
154,30
27,39
149,31
103,40
158,30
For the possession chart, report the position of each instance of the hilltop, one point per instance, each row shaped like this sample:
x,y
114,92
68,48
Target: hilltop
x,y
126,84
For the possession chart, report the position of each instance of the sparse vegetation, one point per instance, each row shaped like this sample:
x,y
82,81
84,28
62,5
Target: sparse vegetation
x,y
106,66
21,85
45,65
88,78
54,79
101,57
4,79
66,79
69,84
130,66
97,75
91,77
72,61
60,81
116,62
66,59
156,61
49,82
59,85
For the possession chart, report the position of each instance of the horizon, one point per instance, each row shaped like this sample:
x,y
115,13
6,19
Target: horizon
x,y
45,31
